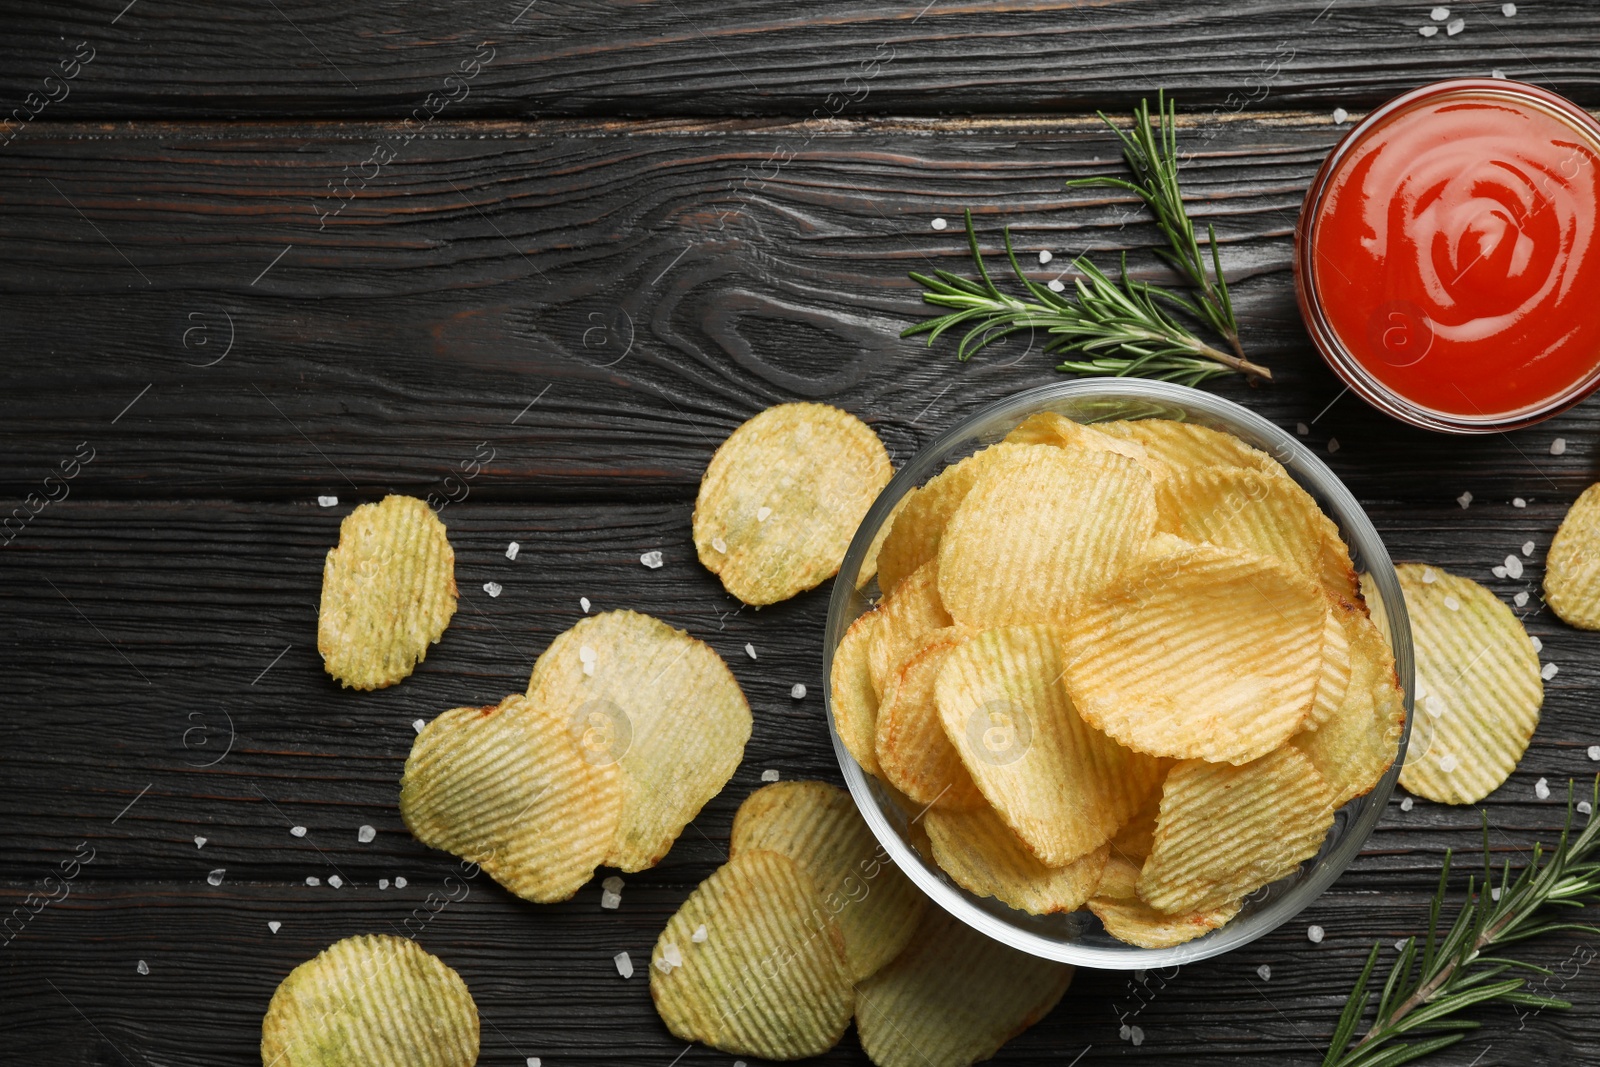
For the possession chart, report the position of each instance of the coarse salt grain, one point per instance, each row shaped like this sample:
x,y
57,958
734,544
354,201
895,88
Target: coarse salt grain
x,y
274,926
366,834
1333,444
1448,763
383,883
651,559
1558,446
587,657
1433,705
1439,14
797,691
624,964
1452,603
1136,1035
769,775
512,549
1527,548
417,725
1427,31
1520,600
199,842
534,1061
1314,934
939,224
1494,892
1429,575
1498,571
1585,807
297,831
699,935
335,881
763,513
1465,499
750,650
1265,972
492,588
328,501
670,953
1518,502
1045,256
1407,804
1541,789
1549,671
583,602
1302,429
1056,285
1508,10
1594,752
1514,566
1400,945
1340,115
312,879
719,544
609,900
143,967
399,883
215,877
1455,27
1538,645
1498,73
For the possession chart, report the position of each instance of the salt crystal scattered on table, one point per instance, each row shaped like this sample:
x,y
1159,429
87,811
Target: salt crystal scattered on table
x,y
1439,14
1594,752
1045,256
1056,285
312,879
1498,571
199,842
651,559
769,775
383,883
1452,603
143,968
297,831
1429,576
611,893
366,834
215,877
1527,548
1498,73
1494,892
1407,804
1427,31
763,513
1333,444
1585,807
1136,1035
335,881
1455,27
1514,566
274,926
328,501
1465,499
1541,789
583,602
750,650
1508,10
417,725
492,588
399,883
1314,934
1538,645
1302,429
1518,502
699,935
512,549
1400,945
624,964
1549,671
1265,972
939,224
534,1061
1448,763
1558,446
1520,600
1340,115
797,691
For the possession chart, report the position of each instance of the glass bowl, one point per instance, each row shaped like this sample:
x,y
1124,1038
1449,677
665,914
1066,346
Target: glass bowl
x,y
1078,938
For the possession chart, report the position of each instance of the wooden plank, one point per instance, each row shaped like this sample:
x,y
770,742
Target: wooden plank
x,y
185,58
598,303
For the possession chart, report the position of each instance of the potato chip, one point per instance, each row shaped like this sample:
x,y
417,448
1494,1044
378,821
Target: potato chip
x,y
817,825
1226,831
869,562
953,997
1041,529
1050,428
1063,788
921,522
1200,654
388,592
1478,690
981,855
508,788
1127,918
1185,445
1137,837
1572,566
852,696
1356,745
1335,571
911,611
782,498
376,1000
913,753
1335,677
770,979
1249,510
659,703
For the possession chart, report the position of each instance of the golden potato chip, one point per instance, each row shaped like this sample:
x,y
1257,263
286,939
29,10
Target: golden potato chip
x,y
1204,653
981,855
1127,918
817,825
508,788
1062,787
1226,831
1572,566
1050,428
913,753
782,498
1335,571
1335,677
908,613
769,978
852,695
921,523
1185,445
1355,746
1265,514
388,591
953,997
1478,690
1041,529
869,562
1137,837
657,702
376,1000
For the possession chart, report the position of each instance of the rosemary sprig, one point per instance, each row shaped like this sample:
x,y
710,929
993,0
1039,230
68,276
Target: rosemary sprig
x,y
1118,326
1419,1009
1151,151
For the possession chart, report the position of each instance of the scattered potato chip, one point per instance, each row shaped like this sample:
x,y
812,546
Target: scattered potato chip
x,y
913,753
1478,690
1572,566
782,498
953,997
1334,680
376,1000
659,703
1185,445
817,825
1356,745
921,523
388,592
853,697
1050,428
1117,905
1226,831
508,788
1063,788
911,611
1041,529
1250,510
771,979
981,854
1177,659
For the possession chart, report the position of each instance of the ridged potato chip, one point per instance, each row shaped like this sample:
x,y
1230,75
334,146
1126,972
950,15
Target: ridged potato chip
x,y
388,592
1062,787
375,1000
1334,680
659,703
1185,445
1138,835
1572,566
869,562
508,788
918,528
1203,653
1335,571
953,997
1226,831
1356,745
1117,905
1041,529
1478,690
1246,509
852,695
1050,428
981,855
907,614
782,498
770,979
817,825
913,753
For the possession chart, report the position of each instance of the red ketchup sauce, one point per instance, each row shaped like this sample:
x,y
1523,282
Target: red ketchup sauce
x,y
1448,259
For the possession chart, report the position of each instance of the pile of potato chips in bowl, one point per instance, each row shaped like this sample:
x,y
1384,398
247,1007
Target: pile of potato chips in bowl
x,y
1120,673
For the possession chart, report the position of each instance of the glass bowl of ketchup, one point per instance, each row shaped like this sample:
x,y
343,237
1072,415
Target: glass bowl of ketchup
x,y
1447,259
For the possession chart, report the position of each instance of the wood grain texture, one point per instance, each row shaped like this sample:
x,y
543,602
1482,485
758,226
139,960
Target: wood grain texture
x,y
191,59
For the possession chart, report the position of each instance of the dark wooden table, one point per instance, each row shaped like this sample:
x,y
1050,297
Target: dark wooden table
x,y
256,255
